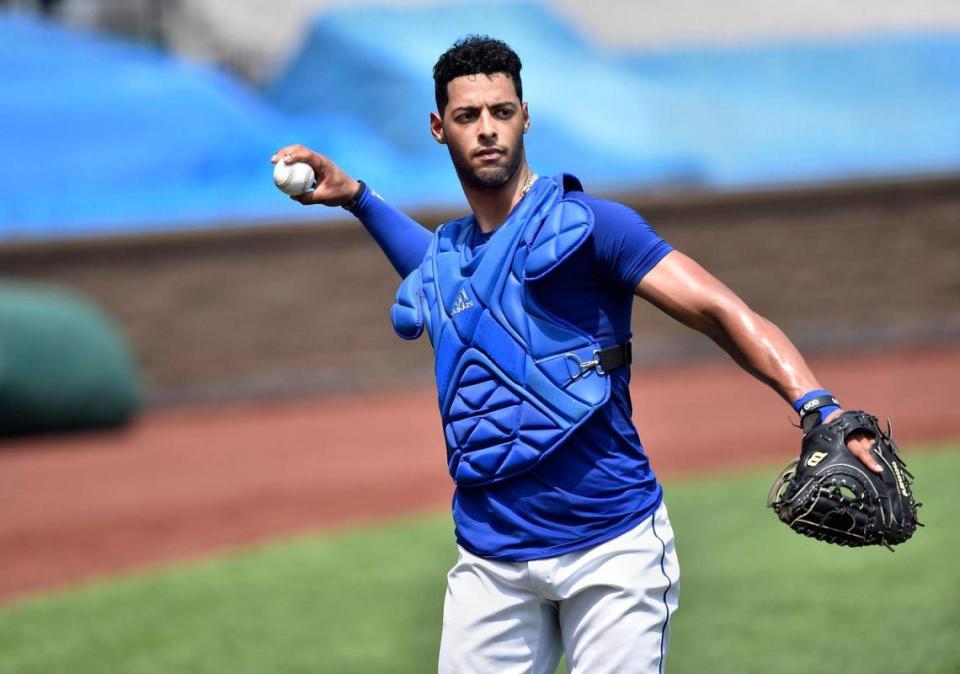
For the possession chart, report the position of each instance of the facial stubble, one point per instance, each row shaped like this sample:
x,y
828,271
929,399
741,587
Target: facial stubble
x,y
487,177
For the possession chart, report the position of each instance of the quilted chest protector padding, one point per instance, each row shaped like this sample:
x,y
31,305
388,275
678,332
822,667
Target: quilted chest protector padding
x,y
509,377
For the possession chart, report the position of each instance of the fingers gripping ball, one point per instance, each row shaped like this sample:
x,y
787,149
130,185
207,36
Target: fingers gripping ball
x,y
828,493
294,179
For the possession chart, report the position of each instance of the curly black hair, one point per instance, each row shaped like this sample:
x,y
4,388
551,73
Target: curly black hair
x,y
475,54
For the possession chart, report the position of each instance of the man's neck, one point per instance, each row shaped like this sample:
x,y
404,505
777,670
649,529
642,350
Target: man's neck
x,y
491,206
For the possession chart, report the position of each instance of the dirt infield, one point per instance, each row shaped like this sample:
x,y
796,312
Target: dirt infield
x,y
190,481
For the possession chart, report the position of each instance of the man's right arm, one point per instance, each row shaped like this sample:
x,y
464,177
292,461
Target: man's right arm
x,y
402,239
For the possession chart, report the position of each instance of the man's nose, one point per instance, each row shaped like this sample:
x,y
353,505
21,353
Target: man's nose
x,y
486,129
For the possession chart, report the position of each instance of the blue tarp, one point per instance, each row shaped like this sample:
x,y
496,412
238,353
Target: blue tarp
x,y
99,133
878,105
104,135
375,65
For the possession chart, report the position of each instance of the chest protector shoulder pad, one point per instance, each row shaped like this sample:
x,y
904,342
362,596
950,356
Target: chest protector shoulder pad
x,y
513,380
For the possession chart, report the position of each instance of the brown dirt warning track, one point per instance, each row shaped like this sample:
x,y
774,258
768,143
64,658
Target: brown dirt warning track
x,y
189,481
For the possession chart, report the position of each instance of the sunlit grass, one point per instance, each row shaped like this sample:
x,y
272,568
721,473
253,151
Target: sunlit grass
x,y
754,598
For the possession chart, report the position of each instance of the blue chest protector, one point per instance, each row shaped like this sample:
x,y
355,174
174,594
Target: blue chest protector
x,y
513,380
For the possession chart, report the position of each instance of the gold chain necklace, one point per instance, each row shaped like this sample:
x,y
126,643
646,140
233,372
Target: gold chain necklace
x,y
528,185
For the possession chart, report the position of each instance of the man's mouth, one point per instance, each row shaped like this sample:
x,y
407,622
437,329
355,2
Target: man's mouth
x,y
488,153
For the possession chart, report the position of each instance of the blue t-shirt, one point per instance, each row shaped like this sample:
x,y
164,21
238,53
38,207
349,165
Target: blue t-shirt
x,y
598,483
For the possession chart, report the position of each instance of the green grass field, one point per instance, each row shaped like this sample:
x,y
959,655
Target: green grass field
x,y
754,598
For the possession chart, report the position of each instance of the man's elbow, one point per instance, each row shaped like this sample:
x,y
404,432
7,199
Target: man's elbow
x,y
730,316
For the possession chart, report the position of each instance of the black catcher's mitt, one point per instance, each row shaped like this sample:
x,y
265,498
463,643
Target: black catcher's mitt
x,y
830,495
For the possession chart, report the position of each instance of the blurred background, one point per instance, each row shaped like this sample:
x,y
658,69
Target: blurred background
x,y
157,284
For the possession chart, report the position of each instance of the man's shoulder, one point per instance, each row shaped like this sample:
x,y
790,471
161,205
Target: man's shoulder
x,y
606,212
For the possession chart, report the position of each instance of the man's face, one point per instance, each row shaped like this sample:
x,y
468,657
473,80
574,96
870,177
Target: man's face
x,y
483,126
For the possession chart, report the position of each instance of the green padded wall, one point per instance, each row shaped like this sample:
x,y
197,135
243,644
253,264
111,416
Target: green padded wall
x,y
63,364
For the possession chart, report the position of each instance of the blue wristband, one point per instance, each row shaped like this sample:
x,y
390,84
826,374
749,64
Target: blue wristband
x,y
807,397
817,404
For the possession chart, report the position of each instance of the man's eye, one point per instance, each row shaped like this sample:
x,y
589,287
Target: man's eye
x,y
504,113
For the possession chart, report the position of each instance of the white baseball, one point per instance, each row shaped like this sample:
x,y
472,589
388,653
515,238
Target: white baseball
x,y
294,179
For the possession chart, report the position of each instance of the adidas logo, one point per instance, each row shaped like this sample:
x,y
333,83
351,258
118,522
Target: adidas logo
x,y
463,302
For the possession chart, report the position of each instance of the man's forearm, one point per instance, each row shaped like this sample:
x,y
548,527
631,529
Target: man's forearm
x,y
686,291
402,239
763,350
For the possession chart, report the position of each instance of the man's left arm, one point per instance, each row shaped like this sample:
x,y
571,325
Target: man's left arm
x,y
686,291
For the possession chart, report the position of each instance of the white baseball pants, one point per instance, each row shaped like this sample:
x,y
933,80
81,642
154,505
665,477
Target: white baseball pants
x,y
608,608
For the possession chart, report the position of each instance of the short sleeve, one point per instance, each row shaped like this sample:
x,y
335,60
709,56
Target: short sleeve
x,y
625,244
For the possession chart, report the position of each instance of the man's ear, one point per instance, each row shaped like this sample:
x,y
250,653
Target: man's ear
x,y
436,128
526,116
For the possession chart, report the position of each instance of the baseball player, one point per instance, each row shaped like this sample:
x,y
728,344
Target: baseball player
x,y
565,545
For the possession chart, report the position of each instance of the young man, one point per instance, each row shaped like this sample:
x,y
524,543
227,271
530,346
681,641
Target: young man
x,y
564,542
